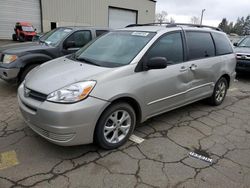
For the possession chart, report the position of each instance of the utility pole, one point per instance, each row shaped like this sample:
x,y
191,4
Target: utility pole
x,y
202,13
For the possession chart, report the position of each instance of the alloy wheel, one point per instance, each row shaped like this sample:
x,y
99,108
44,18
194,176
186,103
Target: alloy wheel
x,y
117,126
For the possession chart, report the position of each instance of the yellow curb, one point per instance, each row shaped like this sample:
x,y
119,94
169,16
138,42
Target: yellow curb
x,y
8,159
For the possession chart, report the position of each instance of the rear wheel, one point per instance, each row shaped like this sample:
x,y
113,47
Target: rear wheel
x,y
25,72
115,126
14,38
220,92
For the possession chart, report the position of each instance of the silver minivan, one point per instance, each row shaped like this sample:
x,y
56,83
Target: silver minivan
x,y
124,78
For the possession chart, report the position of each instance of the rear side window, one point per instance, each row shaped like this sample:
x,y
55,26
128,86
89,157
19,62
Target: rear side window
x,y
170,46
200,45
100,32
223,46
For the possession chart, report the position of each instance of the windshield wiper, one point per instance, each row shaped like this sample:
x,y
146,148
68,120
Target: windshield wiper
x,y
85,60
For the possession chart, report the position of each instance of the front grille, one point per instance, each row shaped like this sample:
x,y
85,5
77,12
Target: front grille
x,y
34,95
243,56
37,96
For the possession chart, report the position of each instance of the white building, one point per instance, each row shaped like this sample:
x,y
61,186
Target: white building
x,y
48,14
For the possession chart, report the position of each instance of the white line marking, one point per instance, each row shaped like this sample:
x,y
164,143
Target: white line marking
x,y
233,89
136,139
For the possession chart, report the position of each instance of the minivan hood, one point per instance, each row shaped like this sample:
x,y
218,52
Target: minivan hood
x,y
59,73
21,48
242,50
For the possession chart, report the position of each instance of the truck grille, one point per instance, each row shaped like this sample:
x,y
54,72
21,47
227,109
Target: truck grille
x,y
243,56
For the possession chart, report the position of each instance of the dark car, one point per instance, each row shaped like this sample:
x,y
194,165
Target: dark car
x,y
17,60
242,50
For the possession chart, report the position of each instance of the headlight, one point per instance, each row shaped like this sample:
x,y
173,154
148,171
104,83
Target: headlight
x,y
9,58
73,93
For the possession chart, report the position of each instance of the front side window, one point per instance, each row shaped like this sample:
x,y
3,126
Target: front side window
x,y
55,36
200,45
80,38
170,47
223,45
115,48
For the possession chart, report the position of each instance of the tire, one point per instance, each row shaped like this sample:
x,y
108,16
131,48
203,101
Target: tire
x,y
25,72
220,92
111,124
21,38
14,38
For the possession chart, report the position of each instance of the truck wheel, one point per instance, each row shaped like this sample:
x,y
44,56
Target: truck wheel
x,y
115,126
220,92
21,38
25,72
14,38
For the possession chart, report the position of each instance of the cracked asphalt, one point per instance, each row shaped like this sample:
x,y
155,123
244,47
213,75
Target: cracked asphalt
x,y
221,133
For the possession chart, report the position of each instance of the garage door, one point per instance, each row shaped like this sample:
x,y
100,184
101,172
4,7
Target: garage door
x,y
12,11
119,18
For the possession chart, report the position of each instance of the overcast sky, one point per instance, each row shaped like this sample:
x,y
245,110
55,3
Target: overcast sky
x,y
183,10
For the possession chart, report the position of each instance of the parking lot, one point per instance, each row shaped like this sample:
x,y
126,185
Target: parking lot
x,y
221,133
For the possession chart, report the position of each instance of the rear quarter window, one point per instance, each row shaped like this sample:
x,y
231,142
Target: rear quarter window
x,y
223,45
200,45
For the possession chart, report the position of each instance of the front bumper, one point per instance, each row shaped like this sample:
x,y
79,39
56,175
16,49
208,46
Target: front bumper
x,y
243,66
9,74
62,124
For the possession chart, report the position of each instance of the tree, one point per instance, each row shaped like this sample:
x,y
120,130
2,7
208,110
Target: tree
x,y
241,27
161,17
224,26
195,20
246,26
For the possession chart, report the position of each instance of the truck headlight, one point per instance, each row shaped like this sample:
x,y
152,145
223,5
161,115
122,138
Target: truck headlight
x,y
73,93
9,58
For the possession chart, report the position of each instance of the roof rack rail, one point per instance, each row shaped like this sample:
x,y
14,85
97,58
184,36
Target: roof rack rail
x,y
168,24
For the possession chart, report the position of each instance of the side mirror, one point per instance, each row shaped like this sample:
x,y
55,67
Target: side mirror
x,y
235,44
156,63
69,44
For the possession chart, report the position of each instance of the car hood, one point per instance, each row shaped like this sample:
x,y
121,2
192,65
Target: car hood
x,y
242,50
21,48
59,73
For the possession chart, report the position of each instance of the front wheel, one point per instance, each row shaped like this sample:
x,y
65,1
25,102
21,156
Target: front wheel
x,y
220,92
115,126
25,72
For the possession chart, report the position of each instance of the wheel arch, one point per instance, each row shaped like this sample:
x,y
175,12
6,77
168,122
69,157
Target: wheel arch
x,y
227,77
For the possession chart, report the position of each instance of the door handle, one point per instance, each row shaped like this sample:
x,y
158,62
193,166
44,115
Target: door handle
x,y
193,67
183,69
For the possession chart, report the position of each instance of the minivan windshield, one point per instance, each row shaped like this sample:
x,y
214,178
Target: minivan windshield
x,y
114,49
55,36
245,42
